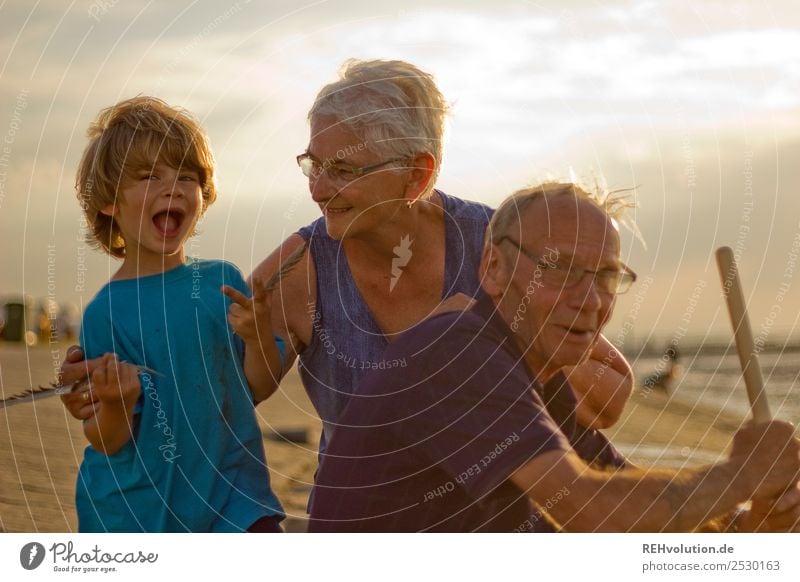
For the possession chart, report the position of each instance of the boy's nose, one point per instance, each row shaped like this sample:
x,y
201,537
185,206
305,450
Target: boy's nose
x,y
173,189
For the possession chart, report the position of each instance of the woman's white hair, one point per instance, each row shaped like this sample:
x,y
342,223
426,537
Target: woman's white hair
x,y
396,108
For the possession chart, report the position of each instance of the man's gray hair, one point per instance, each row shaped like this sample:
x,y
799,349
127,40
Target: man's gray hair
x,y
392,105
506,219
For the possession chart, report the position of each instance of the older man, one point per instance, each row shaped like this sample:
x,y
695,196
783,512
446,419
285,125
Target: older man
x,y
459,438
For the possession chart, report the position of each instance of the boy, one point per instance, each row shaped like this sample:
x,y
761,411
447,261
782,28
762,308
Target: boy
x,y
174,443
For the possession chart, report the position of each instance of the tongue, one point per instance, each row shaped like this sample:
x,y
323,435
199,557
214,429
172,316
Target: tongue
x,y
165,222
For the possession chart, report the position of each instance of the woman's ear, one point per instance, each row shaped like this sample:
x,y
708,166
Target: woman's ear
x,y
421,168
109,210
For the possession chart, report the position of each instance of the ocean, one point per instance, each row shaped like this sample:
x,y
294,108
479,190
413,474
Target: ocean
x,y
713,381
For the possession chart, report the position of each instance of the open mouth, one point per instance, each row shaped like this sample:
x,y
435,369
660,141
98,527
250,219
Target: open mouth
x,y
578,334
168,222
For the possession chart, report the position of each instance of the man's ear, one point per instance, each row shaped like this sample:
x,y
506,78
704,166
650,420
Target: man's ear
x,y
421,168
493,271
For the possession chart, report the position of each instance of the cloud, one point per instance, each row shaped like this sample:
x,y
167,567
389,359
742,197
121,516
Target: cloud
x,y
615,87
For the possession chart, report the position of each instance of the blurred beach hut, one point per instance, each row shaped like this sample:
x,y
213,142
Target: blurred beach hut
x,y
16,315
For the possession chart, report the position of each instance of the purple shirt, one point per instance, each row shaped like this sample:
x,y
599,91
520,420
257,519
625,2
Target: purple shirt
x,y
429,441
346,341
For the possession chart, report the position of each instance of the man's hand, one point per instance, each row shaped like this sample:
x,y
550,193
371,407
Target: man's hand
x,y
250,318
81,403
781,514
770,457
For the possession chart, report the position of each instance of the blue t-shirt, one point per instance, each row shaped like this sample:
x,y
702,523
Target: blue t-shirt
x,y
196,460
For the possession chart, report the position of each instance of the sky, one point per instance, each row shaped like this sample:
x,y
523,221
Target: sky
x,y
695,104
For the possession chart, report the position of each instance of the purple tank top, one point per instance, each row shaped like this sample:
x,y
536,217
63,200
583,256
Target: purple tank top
x,y
346,342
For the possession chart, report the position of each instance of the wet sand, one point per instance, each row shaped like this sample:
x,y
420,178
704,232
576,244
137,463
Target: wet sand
x,y
41,446
656,430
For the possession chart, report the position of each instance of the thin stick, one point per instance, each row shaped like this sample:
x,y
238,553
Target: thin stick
x,y
748,357
54,389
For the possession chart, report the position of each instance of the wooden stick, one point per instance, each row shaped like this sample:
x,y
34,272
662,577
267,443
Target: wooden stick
x,y
748,356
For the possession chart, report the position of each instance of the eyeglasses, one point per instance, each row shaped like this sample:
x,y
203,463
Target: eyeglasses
x,y
313,168
611,281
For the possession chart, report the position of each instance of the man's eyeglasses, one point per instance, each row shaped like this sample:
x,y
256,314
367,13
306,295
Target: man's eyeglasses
x,y
313,168
612,281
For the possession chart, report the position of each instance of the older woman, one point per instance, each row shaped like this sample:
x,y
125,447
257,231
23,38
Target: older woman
x,y
389,250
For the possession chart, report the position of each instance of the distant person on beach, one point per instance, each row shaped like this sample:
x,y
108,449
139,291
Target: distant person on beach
x,y
666,374
174,442
389,250
44,328
461,439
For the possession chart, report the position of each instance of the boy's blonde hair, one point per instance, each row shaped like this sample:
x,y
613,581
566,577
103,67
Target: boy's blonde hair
x,y
130,136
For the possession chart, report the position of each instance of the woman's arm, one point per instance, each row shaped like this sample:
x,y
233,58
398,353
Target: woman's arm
x,y
294,294
603,384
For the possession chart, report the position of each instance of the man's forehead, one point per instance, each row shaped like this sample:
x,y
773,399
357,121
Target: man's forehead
x,y
567,223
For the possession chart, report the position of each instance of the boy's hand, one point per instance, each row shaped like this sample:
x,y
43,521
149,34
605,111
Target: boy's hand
x,y
251,318
81,404
114,382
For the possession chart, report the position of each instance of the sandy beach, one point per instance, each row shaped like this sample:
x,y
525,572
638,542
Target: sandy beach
x,y
41,446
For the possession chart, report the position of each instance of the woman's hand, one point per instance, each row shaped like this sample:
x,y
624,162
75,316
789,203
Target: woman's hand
x,y
603,384
457,302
